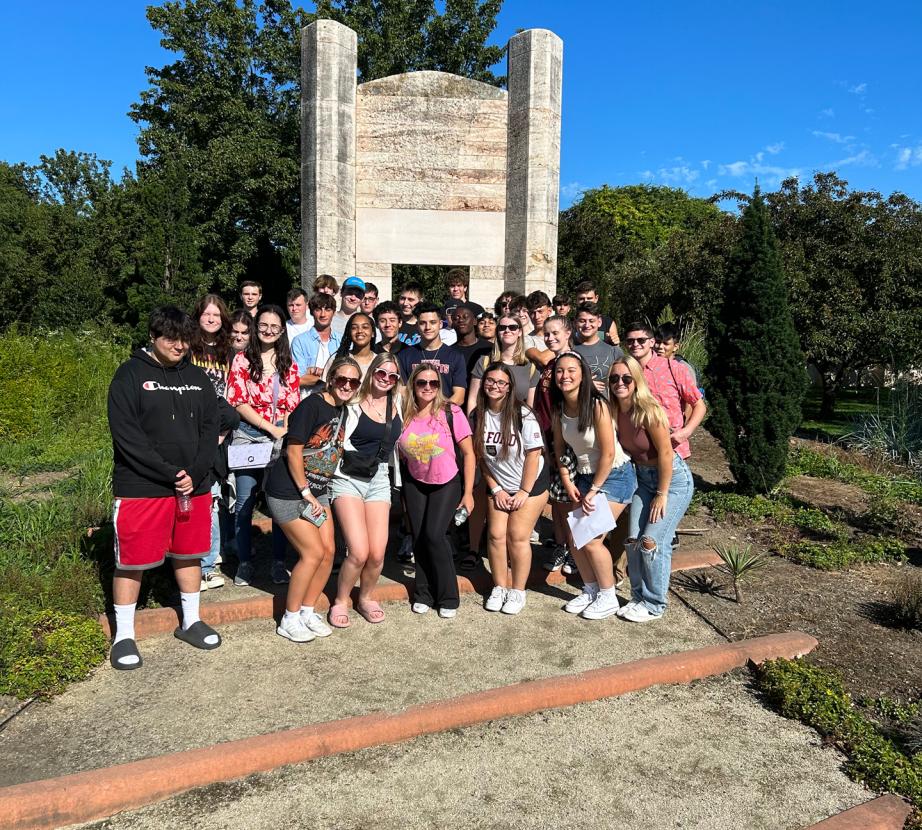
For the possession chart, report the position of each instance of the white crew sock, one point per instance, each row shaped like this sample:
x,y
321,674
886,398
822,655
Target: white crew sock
x,y
291,616
591,588
124,622
307,610
607,592
189,609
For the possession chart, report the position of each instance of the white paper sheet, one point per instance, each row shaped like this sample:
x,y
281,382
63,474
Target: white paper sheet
x,y
585,527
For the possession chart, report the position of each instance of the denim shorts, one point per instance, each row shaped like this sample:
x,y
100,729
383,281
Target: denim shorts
x,y
376,488
284,511
618,487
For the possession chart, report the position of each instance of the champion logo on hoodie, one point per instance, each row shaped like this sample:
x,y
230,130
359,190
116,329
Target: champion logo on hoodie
x,y
153,386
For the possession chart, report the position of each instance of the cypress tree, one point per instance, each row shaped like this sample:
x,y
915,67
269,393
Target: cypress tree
x,y
757,374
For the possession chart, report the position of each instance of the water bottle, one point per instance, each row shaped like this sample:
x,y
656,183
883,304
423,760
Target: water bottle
x,y
183,507
461,515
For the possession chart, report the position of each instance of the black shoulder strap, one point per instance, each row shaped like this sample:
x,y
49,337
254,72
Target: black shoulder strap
x,y
387,426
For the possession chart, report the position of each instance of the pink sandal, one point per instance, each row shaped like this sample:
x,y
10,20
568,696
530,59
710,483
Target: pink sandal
x,y
371,611
338,616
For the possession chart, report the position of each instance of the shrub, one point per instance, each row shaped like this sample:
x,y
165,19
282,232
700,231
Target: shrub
x,y
889,515
42,651
756,508
907,601
841,555
817,697
818,523
894,435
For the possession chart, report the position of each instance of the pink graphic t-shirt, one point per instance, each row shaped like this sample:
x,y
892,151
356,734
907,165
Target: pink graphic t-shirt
x,y
427,447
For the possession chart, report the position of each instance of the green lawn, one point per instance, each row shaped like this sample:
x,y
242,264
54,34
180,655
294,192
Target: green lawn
x,y
850,404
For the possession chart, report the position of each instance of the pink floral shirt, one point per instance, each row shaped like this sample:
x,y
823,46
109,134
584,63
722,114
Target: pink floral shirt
x,y
673,386
242,389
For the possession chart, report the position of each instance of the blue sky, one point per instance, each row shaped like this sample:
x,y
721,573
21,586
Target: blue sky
x,y
705,96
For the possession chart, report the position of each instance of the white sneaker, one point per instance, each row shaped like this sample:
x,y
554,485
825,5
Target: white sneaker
x,y
515,601
314,622
604,605
496,599
580,602
294,629
639,613
212,579
420,608
218,559
535,538
569,565
623,608
448,613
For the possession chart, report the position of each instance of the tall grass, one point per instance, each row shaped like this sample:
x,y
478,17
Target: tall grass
x,y
691,338
892,433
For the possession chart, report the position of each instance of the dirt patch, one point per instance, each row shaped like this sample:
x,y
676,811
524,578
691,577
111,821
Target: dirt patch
x,y
708,462
828,495
845,611
37,486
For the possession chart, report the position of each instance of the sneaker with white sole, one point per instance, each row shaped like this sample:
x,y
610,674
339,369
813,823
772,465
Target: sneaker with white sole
x,y
405,551
212,579
314,622
496,599
420,608
448,613
535,538
639,613
293,628
623,608
245,573
515,601
218,560
569,565
280,575
558,557
604,605
580,602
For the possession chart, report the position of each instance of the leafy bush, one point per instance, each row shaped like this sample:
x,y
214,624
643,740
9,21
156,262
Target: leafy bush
x,y
818,523
818,698
907,601
841,555
888,515
808,462
756,508
41,651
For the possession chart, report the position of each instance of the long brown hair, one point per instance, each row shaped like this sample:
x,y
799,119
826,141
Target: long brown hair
x,y
253,351
222,336
510,414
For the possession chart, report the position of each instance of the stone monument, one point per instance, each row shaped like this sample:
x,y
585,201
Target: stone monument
x,y
429,168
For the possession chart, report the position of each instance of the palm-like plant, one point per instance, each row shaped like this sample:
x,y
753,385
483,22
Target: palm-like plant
x,y
739,561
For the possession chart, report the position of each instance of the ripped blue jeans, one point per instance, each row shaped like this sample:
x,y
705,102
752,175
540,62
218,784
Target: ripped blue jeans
x,y
649,570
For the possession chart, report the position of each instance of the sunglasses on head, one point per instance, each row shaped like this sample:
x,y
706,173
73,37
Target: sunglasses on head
x,y
422,383
508,327
617,380
636,341
346,383
383,374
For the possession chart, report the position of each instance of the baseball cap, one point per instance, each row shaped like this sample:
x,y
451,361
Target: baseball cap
x,y
353,282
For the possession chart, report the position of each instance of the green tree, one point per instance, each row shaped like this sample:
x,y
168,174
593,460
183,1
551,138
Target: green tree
x,y
633,242
852,258
756,373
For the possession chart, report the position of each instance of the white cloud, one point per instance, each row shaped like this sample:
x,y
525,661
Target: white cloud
x,y
680,174
774,149
705,163
858,89
829,112
711,184
865,158
835,137
769,174
908,157
571,191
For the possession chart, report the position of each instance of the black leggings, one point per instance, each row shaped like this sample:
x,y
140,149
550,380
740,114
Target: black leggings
x,y
430,508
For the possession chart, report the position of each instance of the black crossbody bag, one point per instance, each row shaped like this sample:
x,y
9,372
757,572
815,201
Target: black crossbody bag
x,y
361,465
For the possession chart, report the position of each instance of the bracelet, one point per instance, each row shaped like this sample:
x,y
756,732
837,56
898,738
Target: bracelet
x,y
495,490
661,493
595,489
305,491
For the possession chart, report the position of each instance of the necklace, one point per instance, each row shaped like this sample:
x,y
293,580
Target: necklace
x,y
380,412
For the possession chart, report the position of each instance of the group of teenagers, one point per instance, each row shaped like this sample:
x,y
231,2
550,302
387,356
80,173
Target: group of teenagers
x,y
464,421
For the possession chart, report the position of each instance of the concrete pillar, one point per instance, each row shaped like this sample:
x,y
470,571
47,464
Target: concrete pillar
x,y
380,273
535,63
328,80
486,284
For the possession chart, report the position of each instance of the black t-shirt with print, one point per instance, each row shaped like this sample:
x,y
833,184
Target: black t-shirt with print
x,y
311,424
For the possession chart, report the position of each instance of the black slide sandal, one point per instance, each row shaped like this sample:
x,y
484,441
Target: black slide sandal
x,y
122,649
196,634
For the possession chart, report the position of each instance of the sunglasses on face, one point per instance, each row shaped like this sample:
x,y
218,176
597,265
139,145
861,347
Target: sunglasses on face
x,y
617,380
508,327
384,375
421,383
346,383
636,341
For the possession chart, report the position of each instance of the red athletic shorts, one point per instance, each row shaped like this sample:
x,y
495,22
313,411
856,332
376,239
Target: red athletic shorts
x,y
146,531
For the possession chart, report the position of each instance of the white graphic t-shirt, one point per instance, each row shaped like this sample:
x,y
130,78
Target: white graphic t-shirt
x,y
508,471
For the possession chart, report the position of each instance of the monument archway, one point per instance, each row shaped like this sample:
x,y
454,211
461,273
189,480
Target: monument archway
x,y
430,168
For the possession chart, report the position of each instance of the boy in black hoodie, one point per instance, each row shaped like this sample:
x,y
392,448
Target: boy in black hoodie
x,y
163,416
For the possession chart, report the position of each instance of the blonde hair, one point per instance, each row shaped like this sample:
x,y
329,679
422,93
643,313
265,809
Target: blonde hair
x,y
518,355
410,407
380,360
646,410
338,364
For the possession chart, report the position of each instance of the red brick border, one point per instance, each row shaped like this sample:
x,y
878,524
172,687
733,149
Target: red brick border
x,y
163,620
94,794
888,812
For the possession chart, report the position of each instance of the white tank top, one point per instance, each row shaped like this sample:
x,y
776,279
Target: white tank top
x,y
584,446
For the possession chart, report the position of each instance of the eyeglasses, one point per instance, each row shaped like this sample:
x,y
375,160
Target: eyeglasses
x,y
265,328
497,384
346,383
422,383
636,341
384,375
618,380
508,327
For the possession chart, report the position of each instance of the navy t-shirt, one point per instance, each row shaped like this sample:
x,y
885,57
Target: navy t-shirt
x,y
446,360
